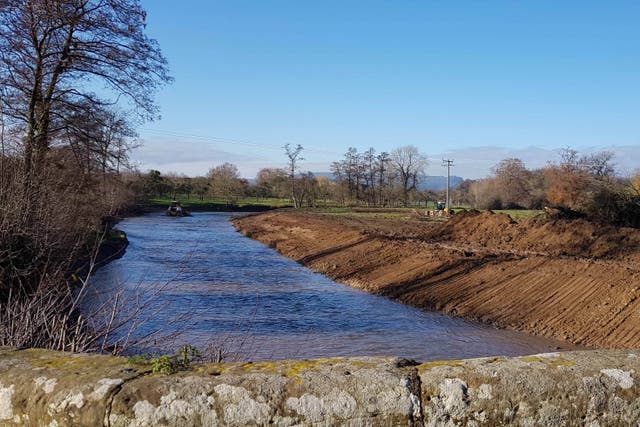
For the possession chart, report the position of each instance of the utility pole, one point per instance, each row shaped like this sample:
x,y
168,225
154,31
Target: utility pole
x,y
448,164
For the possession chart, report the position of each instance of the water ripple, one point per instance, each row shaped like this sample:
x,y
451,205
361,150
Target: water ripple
x,y
226,287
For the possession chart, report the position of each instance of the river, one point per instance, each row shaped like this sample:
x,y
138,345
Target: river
x,y
211,287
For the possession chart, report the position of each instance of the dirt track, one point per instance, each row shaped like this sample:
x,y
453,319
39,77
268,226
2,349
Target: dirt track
x,y
570,280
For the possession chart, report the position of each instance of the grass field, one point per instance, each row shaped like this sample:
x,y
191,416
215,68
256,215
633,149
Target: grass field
x,y
249,203
253,204
520,214
396,213
389,213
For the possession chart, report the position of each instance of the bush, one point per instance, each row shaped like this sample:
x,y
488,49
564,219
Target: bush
x,y
615,206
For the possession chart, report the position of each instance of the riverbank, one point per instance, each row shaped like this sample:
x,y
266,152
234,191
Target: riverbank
x,y
260,305
111,246
569,280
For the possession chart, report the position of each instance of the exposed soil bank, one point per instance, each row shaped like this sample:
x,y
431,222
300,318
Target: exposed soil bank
x,y
570,280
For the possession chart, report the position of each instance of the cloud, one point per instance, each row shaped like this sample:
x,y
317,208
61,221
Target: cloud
x,y
197,157
476,162
182,156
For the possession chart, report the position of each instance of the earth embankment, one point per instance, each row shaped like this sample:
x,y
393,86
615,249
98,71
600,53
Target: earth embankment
x,y
565,279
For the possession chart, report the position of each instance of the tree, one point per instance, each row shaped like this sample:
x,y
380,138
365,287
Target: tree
x,y
271,182
154,184
100,138
52,53
599,164
577,179
382,168
512,179
226,182
634,183
349,173
462,193
484,194
201,186
293,154
409,163
369,175
308,190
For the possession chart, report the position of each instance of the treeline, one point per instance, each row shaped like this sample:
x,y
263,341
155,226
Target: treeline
x,y
63,151
224,183
586,184
384,179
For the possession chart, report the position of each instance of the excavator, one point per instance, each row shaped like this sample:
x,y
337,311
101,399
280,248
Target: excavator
x,y
176,209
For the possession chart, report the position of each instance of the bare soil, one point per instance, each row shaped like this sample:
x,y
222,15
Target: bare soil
x,y
565,279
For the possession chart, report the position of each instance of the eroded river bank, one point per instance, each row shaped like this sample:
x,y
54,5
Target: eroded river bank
x,y
211,284
570,280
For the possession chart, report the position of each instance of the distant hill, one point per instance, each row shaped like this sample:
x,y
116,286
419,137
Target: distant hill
x,y
430,182
439,183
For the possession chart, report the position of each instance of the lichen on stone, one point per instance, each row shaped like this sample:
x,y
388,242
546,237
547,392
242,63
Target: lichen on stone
x,y
47,384
6,404
623,378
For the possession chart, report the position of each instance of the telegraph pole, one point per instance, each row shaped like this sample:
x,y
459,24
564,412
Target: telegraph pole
x,y
448,164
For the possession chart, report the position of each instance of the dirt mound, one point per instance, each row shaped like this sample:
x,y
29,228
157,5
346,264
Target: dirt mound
x,y
557,237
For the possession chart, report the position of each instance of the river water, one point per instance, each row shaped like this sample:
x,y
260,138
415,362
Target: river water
x,y
200,279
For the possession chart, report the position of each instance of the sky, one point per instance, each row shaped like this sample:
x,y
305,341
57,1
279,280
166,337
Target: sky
x,y
473,81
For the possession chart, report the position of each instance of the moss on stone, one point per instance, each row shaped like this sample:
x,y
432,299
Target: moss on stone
x,y
430,365
553,362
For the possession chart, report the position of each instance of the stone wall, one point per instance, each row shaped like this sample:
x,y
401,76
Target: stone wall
x,y
595,388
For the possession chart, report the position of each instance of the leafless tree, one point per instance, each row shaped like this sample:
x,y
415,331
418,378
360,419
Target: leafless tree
x,y
307,190
512,183
599,165
409,163
226,182
101,140
293,154
52,53
64,65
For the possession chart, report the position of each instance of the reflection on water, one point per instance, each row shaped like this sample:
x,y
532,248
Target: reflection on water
x,y
224,287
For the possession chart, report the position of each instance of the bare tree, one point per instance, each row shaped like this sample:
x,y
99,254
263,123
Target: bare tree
x,y
100,138
52,53
512,179
226,182
599,165
577,179
382,169
293,154
409,163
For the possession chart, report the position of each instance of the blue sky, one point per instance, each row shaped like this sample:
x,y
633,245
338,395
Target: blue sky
x,y
472,80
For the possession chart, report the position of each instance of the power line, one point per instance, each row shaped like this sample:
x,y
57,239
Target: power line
x,y
230,141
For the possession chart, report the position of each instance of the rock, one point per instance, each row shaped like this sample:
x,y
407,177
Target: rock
x,y
47,388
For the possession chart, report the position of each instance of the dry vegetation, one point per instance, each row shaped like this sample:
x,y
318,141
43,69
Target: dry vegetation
x,y
585,184
63,152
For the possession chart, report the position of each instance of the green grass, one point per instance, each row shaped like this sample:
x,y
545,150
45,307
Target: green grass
x,y
387,213
253,204
371,214
248,203
520,214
